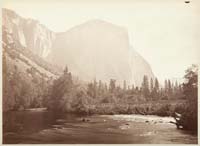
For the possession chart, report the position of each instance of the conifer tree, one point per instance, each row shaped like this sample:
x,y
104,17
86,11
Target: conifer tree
x,y
151,85
145,87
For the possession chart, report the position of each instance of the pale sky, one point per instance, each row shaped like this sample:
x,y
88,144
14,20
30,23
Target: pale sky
x,y
165,32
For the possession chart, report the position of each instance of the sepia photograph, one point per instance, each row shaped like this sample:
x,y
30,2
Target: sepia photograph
x,y
100,71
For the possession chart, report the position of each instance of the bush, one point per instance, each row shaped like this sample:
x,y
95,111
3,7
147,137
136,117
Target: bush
x,y
165,110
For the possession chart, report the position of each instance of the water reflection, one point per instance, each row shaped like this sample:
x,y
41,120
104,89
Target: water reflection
x,y
48,127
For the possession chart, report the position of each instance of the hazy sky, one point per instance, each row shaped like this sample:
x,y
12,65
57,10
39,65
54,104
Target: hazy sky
x,y
165,32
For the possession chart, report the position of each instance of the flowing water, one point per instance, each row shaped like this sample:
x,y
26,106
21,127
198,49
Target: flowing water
x,y
43,127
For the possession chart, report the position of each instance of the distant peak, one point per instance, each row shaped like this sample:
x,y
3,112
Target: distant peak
x,y
8,12
6,9
98,22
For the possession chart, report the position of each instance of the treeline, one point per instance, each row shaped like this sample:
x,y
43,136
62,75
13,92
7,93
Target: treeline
x,y
152,90
98,97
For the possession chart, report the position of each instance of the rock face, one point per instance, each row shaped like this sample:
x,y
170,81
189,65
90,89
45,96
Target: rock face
x,y
30,33
95,49
140,67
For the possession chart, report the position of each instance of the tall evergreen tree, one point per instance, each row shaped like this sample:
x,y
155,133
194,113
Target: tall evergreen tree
x,y
90,90
156,85
112,85
169,87
176,85
100,87
95,88
105,87
145,86
189,118
166,87
125,86
61,89
151,85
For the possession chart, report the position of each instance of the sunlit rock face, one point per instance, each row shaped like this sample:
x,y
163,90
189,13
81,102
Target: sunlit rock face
x,y
99,50
93,50
30,33
140,67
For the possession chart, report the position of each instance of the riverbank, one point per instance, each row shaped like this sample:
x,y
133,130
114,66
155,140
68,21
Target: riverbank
x,y
148,108
151,119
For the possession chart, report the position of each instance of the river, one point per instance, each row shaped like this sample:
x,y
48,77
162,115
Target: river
x,y
44,127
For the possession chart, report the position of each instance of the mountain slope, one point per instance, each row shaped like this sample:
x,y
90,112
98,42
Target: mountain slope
x,y
95,49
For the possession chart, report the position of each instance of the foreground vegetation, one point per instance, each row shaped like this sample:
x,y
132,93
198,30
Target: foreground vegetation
x,y
189,112
98,98
65,95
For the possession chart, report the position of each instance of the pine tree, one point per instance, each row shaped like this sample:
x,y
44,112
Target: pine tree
x,y
151,85
173,88
155,91
95,88
166,87
66,70
125,86
145,87
169,88
100,86
61,90
189,118
176,85
156,85
105,87
101,89
90,90
112,85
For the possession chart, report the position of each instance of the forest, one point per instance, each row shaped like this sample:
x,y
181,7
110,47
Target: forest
x,y
65,95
